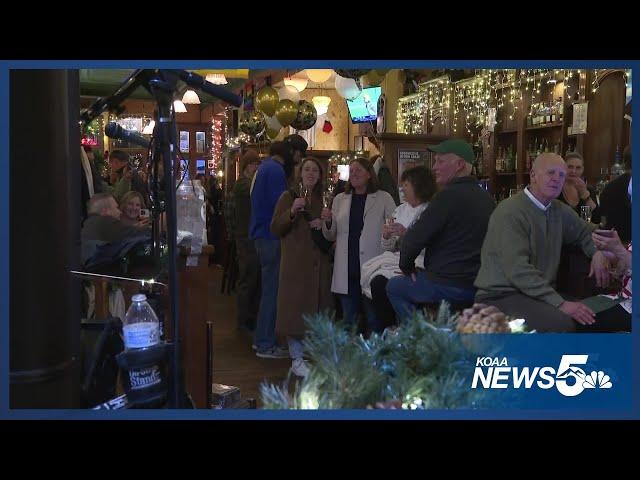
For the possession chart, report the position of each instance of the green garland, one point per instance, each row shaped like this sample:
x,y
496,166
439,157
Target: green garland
x,y
421,365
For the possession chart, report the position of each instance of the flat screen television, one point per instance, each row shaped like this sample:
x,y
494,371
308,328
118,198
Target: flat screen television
x,y
364,108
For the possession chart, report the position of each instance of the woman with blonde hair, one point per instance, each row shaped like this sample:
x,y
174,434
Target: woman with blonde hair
x,y
305,269
131,206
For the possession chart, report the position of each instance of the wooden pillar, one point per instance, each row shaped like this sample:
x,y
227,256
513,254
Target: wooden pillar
x,y
44,315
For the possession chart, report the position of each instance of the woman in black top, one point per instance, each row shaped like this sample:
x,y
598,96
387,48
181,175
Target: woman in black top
x,y
575,192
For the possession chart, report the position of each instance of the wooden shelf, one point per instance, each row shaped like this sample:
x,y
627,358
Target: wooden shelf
x,y
505,174
511,130
546,125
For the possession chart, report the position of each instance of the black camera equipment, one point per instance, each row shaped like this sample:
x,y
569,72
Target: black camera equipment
x,y
162,84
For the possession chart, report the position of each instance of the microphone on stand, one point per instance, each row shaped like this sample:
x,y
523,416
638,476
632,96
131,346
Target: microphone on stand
x,y
113,130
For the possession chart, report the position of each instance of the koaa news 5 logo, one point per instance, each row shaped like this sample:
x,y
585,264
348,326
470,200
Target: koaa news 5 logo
x,y
569,379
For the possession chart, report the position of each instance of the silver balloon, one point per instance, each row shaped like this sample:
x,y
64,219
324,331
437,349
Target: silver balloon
x,y
253,123
306,117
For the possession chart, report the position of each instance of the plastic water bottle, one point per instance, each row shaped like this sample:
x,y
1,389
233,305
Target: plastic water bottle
x,y
141,326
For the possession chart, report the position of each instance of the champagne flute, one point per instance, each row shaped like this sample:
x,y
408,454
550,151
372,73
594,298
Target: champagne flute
x,y
326,199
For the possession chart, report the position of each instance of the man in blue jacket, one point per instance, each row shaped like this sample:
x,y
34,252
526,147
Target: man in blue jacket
x,y
270,182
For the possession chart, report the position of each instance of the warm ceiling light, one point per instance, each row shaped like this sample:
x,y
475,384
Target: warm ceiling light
x,y
321,102
179,107
319,75
148,130
296,82
191,97
216,78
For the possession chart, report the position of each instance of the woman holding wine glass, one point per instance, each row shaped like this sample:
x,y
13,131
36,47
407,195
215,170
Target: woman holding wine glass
x,y
575,192
419,186
355,221
305,269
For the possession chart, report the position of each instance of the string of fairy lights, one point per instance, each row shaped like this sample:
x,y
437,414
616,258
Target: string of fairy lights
x,y
471,98
216,142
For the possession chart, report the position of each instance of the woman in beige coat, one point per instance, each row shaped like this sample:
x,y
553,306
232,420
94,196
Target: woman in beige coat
x,y
305,269
355,222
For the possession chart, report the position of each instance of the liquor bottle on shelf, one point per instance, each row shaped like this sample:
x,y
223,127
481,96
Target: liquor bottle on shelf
x,y
535,118
617,168
560,109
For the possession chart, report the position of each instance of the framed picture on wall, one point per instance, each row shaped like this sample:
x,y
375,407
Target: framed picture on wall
x,y
358,142
200,142
184,141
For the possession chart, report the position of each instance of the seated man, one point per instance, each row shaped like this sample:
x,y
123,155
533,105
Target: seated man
x,y
103,226
521,253
615,203
451,229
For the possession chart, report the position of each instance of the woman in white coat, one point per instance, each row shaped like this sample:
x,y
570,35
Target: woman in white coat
x,y
355,223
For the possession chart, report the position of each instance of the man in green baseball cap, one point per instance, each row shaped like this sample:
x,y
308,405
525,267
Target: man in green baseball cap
x,y
454,158
451,229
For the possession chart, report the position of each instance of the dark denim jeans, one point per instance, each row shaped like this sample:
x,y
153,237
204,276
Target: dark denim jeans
x,y
404,293
269,255
353,302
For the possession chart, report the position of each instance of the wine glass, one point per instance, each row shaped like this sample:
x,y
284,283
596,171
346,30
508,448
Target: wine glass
x,y
331,186
585,213
326,198
304,192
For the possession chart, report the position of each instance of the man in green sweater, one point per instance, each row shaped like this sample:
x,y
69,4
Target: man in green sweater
x,y
521,253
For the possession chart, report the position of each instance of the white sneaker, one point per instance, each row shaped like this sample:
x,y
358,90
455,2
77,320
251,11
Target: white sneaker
x,y
273,352
300,367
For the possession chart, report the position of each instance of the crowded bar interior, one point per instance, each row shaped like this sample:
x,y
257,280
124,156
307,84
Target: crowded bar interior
x,y
318,235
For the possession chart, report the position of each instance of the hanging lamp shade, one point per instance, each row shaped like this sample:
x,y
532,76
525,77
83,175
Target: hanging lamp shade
x,y
179,107
296,82
321,102
216,78
191,97
319,75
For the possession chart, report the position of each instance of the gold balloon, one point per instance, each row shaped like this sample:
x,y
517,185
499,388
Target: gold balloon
x,y
306,116
267,100
272,133
252,123
286,112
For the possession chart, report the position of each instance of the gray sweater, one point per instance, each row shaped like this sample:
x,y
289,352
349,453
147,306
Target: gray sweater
x,y
521,251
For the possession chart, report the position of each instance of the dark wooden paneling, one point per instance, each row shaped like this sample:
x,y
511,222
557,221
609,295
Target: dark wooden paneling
x,y
392,142
604,125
